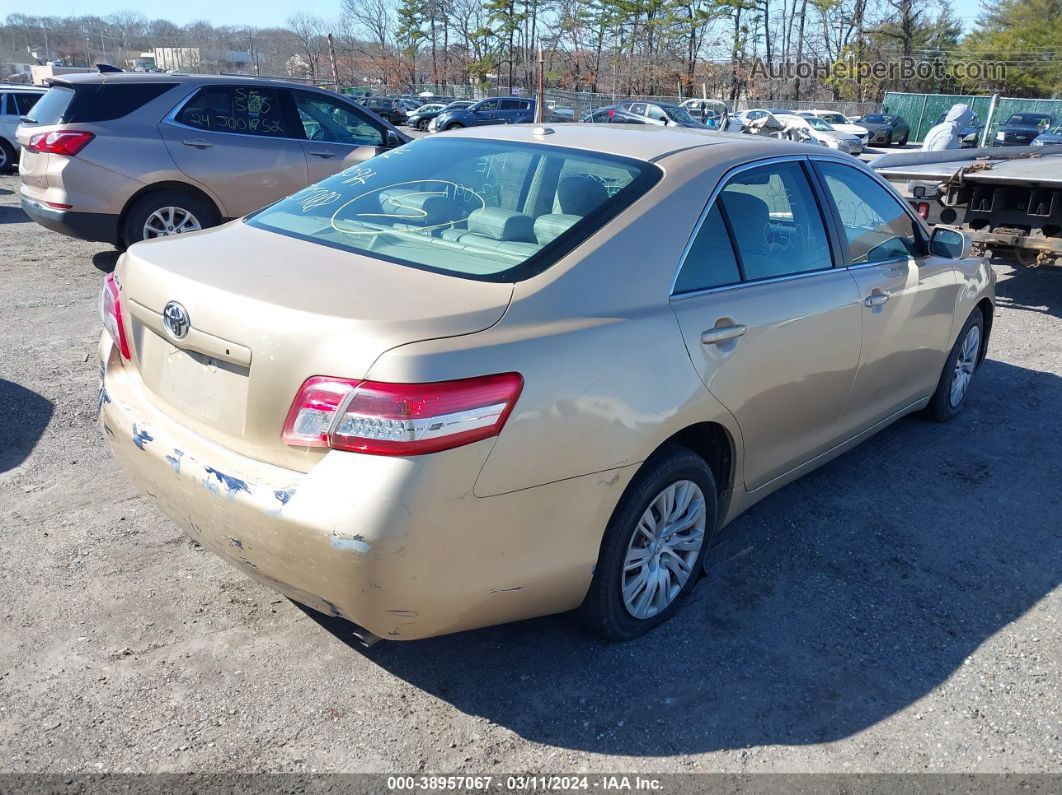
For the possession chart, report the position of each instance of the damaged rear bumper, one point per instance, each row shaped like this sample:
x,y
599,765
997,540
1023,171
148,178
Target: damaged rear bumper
x,y
399,546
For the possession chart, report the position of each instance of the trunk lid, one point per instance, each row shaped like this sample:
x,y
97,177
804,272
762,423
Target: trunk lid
x,y
265,312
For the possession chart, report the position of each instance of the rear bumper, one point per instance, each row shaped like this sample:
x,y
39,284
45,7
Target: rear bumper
x,y
96,227
399,546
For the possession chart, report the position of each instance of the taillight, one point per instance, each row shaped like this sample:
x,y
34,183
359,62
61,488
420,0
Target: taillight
x,y
60,142
400,419
923,210
111,315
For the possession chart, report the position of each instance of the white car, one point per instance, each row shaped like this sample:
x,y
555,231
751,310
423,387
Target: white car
x,y
839,122
823,132
15,102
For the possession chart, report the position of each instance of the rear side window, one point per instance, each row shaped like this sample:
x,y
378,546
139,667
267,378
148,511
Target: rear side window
x,y
237,109
109,101
710,262
20,104
52,106
876,225
778,228
480,209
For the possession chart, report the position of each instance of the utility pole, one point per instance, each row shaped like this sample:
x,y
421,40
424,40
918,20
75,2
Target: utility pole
x,y
332,57
251,49
539,114
47,49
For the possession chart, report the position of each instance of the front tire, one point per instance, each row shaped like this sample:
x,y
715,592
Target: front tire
x,y
167,212
959,369
903,141
454,126
653,547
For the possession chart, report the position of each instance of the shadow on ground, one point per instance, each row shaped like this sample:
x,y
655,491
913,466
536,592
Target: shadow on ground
x,y
13,215
106,260
25,415
1031,290
828,607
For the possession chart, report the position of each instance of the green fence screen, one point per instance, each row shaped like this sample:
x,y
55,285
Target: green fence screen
x,y
922,110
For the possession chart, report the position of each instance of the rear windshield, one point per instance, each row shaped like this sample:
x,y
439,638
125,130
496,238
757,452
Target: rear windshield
x,y
487,210
1030,120
877,118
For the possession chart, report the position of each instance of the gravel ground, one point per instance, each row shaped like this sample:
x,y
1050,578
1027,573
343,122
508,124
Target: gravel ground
x,y
898,610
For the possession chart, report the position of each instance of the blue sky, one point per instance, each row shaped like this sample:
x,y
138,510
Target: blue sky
x,y
260,13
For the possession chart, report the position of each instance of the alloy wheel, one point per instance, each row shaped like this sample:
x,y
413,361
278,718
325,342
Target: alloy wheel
x,y
167,221
965,364
663,549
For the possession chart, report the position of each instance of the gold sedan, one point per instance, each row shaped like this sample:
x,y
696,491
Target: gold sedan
x,y
518,370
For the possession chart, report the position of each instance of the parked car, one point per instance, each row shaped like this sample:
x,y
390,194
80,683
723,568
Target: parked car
x,y
515,372
969,136
1020,129
663,112
616,115
15,102
839,122
825,134
1051,136
385,108
494,110
118,158
422,116
886,128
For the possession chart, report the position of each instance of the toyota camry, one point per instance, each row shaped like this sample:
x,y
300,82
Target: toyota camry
x,y
514,370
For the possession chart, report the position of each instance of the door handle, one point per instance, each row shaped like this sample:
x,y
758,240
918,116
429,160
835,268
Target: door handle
x,y
714,336
321,153
877,299
198,143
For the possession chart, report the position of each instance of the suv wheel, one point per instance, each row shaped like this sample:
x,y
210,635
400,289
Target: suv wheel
x,y
455,126
7,157
165,213
653,547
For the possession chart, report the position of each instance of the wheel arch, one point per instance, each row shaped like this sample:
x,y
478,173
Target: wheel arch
x,y
159,187
715,445
988,311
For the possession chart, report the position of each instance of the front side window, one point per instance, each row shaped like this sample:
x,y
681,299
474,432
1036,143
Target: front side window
x,y
778,228
487,104
480,209
237,109
333,122
876,225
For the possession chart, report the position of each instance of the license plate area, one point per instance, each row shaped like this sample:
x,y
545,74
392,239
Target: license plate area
x,y
203,388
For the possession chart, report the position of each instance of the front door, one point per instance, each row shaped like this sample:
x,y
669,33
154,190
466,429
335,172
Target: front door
x,y
908,297
771,325
240,142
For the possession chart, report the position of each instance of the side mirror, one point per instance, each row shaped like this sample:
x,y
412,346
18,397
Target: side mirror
x,y
393,139
950,243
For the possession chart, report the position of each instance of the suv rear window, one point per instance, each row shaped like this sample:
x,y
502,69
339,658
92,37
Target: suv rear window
x,y
479,209
94,102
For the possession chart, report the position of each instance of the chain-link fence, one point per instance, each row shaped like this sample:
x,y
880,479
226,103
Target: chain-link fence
x,y
922,110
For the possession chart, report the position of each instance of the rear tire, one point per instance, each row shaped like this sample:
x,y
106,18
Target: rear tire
x,y
903,141
422,124
191,214
959,370
7,157
648,535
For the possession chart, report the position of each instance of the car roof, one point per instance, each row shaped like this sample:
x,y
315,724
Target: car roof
x,y
638,141
82,78
22,87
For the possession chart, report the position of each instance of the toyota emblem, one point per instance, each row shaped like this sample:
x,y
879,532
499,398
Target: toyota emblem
x,y
175,319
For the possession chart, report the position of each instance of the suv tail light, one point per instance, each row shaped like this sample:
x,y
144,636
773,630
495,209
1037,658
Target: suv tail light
x,y
400,419
60,142
923,210
111,315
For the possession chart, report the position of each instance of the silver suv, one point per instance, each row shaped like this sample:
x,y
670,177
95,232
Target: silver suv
x,y
119,158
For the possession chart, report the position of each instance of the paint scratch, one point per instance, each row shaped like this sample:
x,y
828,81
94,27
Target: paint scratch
x,y
232,485
507,590
283,495
175,460
356,543
140,438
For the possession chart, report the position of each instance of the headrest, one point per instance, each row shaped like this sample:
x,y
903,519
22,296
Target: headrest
x,y
549,227
501,224
580,195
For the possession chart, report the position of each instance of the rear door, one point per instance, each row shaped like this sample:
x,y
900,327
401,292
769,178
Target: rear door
x,y
337,134
908,297
772,326
243,142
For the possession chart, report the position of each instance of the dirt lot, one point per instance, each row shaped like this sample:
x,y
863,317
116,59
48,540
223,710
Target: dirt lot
x,y
898,610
